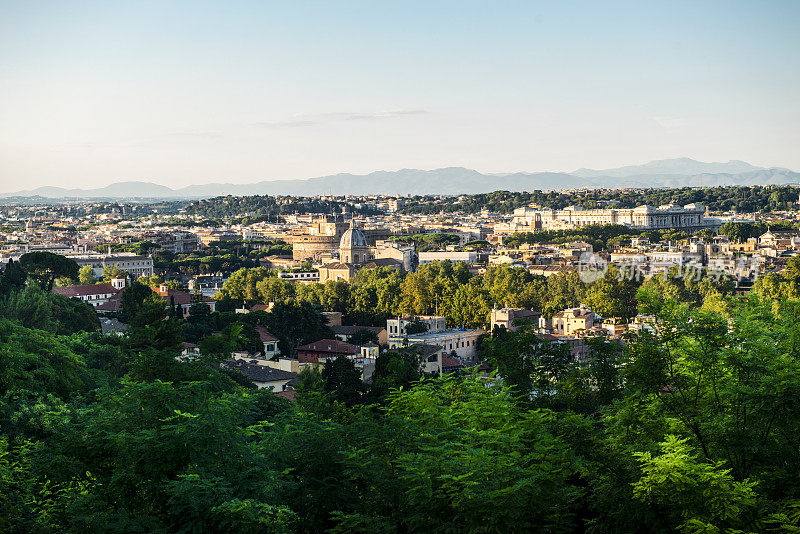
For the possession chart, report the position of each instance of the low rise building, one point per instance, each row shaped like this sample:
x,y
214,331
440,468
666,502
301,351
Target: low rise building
x,y
570,321
134,264
505,317
455,257
324,349
396,328
300,276
94,294
345,333
269,341
336,271
182,299
462,342
263,376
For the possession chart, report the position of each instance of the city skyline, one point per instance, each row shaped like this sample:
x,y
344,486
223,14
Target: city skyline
x,y
184,94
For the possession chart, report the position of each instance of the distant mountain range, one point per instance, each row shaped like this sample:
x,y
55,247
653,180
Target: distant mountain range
x,y
680,172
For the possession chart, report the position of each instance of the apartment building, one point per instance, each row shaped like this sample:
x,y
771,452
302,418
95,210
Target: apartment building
x,y
135,264
396,328
570,321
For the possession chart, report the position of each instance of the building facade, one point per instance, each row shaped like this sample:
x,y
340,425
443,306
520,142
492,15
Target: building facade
x,y
135,264
464,343
570,321
672,216
505,317
396,328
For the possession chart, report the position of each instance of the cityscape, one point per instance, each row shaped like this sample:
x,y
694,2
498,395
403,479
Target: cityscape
x,y
219,312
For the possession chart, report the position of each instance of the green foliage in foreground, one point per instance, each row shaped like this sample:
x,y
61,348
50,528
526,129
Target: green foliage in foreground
x,y
694,427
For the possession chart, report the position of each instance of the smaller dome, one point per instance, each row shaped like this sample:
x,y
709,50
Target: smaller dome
x,y
353,237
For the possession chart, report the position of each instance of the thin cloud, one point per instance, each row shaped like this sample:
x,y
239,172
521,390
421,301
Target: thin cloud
x,y
324,118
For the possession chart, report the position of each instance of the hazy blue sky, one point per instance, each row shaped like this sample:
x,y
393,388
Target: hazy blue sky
x,y
191,92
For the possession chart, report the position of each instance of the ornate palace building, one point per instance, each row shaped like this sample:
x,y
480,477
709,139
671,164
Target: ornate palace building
x,y
669,216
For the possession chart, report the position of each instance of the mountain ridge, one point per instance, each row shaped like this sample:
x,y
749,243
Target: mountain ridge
x,y
677,172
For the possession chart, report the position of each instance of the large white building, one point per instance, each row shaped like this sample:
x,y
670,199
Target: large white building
x,y
94,294
133,263
464,343
396,328
455,257
669,216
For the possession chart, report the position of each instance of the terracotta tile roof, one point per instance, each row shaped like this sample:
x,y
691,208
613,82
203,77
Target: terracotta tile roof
x,y
333,346
264,334
336,266
426,349
350,330
287,394
448,362
82,291
259,373
112,305
181,297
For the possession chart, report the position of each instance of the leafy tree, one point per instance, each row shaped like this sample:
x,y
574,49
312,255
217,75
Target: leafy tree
x,y
274,289
695,496
112,271
132,300
38,362
416,326
363,336
243,284
342,381
395,369
531,366
35,308
86,275
738,232
63,281
614,295
457,455
14,277
45,267
296,325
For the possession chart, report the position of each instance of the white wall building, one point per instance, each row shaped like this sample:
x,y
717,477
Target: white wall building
x,y
135,264
397,327
465,257
690,216
463,342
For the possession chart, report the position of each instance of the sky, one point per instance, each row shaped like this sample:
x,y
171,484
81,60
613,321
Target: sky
x,y
182,93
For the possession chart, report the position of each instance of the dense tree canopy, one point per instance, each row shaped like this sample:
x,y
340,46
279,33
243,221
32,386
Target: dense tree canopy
x,y
45,267
745,199
257,208
689,425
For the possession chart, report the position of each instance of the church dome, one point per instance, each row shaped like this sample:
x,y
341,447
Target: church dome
x,y
353,237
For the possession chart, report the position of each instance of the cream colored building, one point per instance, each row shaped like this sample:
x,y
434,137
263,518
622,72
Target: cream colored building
x,y
570,321
644,217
